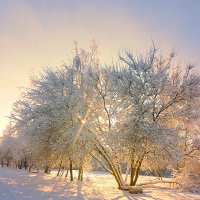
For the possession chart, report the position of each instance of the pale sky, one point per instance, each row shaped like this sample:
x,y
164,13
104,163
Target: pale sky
x,y
39,33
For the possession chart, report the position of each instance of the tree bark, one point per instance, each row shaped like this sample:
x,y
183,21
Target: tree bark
x,y
135,168
66,173
59,168
71,171
47,169
114,169
132,172
25,163
80,173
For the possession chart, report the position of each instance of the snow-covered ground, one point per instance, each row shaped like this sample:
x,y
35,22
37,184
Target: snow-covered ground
x,y
18,184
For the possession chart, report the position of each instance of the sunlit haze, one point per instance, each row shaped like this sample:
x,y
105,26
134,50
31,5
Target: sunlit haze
x,y
39,33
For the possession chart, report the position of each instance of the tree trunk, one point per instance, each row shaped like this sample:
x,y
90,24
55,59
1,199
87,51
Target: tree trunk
x,y
2,163
135,171
80,173
62,171
20,164
30,167
115,169
71,171
158,173
25,163
47,169
66,173
136,175
132,172
59,168
8,163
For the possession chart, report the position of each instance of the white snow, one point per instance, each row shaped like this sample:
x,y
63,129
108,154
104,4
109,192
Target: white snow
x,y
18,184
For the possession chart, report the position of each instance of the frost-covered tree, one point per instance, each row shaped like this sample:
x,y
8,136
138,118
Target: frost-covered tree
x,y
126,115
139,102
7,146
51,113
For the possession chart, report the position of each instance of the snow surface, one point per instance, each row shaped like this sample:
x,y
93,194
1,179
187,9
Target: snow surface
x,y
18,184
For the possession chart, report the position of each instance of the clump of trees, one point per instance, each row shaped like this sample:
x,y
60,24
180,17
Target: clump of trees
x,y
135,114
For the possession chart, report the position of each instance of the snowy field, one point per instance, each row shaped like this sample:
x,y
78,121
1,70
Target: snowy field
x,y
18,184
